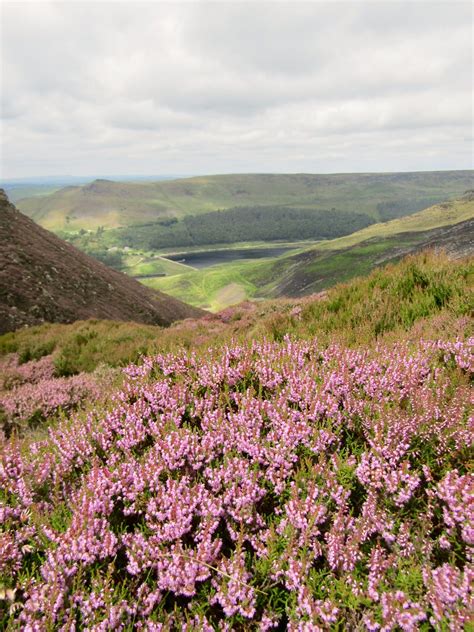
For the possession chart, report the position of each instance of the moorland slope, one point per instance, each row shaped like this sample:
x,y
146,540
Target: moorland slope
x,y
43,279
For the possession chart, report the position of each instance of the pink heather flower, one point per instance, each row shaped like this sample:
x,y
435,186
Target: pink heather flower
x,y
271,465
450,595
398,611
234,593
457,492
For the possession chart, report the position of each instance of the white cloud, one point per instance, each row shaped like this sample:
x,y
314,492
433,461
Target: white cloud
x,y
207,87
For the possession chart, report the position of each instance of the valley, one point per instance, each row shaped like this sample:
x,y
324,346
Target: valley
x,y
236,316
319,266
190,237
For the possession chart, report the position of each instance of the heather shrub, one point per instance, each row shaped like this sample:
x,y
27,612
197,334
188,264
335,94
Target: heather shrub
x,y
31,394
287,485
32,403
14,373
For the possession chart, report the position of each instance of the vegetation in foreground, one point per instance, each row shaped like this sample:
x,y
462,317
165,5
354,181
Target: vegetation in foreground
x,y
429,291
310,474
273,485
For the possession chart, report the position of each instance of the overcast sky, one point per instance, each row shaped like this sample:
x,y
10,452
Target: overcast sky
x,y
197,87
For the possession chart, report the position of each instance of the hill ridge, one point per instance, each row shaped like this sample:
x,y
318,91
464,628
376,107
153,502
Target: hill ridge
x,y
112,204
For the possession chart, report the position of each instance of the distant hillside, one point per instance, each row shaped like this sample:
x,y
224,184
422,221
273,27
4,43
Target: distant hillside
x,y
114,204
448,226
43,279
315,270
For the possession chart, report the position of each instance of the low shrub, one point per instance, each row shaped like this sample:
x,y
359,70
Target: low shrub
x,y
274,485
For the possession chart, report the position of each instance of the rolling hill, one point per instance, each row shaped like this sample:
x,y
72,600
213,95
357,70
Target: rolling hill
x,y
43,279
114,204
448,225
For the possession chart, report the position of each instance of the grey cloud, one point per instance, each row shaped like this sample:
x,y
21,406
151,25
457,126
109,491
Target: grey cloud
x,y
198,87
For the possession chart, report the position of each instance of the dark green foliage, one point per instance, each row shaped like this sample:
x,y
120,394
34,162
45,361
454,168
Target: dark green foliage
x,y
111,259
260,223
37,352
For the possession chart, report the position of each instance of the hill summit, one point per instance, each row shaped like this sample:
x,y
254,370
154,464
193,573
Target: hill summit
x,y
44,279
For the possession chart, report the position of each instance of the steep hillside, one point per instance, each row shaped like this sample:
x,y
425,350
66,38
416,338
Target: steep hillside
x,y
448,226
45,279
112,204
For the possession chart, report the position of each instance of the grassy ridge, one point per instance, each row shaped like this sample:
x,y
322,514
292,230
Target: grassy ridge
x,y
445,214
112,204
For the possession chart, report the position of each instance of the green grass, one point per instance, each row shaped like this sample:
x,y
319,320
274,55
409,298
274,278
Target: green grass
x,y
143,264
83,345
209,288
387,301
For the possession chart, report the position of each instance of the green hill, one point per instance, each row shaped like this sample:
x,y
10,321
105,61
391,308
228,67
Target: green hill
x,y
113,204
330,262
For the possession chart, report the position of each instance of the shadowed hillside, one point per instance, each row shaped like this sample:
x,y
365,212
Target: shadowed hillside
x,y
43,279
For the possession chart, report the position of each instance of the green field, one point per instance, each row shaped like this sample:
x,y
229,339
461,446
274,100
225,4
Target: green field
x,y
141,264
213,288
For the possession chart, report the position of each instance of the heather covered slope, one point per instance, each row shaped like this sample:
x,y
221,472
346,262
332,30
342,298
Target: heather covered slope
x,y
43,279
289,485
54,367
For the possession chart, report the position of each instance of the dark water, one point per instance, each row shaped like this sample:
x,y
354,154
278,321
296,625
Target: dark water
x,y
213,257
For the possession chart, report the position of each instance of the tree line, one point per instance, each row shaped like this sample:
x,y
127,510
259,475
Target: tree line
x,y
261,223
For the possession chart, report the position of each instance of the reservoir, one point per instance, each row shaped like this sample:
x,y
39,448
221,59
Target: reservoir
x,y
208,258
